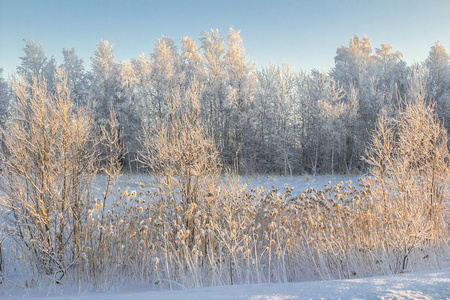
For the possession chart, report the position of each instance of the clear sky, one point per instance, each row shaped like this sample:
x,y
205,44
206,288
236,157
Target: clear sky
x,y
304,33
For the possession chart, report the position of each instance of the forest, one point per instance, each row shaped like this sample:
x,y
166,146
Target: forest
x,y
194,118
272,120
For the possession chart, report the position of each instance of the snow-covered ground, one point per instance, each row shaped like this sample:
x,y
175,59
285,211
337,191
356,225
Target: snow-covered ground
x,y
420,285
299,183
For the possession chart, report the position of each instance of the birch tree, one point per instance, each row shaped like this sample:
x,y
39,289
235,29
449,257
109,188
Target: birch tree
x,y
76,76
4,100
214,94
166,74
438,63
105,80
34,61
241,84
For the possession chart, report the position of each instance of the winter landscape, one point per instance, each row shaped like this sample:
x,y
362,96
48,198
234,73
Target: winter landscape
x,y
192,171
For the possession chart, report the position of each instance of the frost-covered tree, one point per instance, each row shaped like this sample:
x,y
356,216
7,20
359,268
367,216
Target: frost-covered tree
x,y
392,72
241,84
138,78
49,71
110,95
5,95
270,120
331,112
76,75
274,102
134,77
166,75
191,61
105,80
327,118
266,113
34,61
354,62
438,64
387,56
377,81
214,94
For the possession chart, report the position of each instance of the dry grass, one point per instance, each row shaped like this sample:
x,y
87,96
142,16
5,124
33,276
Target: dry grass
x,y
189,228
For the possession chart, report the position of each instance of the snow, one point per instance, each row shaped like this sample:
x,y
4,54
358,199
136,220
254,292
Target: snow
x,y
420,285
132,182
299,183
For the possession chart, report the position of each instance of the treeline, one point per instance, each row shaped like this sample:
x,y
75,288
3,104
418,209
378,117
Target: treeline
x,y
268,120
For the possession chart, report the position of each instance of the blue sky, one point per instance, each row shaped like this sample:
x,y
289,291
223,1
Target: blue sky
x,y
304,33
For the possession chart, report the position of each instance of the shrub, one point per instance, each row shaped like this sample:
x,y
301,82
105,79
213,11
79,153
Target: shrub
x,y
409,161
47,175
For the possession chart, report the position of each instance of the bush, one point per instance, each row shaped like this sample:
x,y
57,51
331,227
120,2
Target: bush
x,y
47,175
409,161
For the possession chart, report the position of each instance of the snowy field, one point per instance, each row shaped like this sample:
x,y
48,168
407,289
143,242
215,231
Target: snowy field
x,y
420,285
299,183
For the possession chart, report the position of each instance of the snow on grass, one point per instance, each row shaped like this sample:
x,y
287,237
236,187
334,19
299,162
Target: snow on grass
x,y
299,183
420,285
